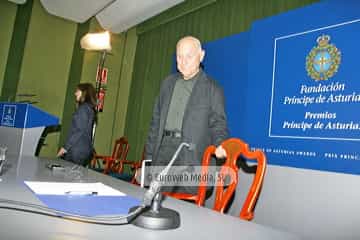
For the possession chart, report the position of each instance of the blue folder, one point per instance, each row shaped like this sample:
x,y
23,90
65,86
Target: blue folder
x,y
89,205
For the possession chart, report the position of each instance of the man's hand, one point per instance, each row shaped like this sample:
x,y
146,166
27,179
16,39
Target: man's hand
x,y
61,152
220,152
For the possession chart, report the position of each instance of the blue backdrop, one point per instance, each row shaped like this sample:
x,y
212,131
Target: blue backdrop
x,y
292,85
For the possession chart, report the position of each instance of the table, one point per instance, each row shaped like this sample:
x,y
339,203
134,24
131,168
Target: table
x,y
198,222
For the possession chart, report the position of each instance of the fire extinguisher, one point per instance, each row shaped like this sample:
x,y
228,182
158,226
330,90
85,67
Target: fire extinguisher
x,y
100,100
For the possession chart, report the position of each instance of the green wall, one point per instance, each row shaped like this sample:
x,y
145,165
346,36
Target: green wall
x,y
46,65
16,51
41,54
7,20
206,19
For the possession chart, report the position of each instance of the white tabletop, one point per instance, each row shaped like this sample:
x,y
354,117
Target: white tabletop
x,y
198,222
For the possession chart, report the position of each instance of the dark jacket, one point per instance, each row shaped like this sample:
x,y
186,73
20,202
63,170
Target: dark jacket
x,y
78,144
204,121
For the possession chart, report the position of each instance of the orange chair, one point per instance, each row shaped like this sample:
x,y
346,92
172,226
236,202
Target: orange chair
x,y
134,166
234,149
114,162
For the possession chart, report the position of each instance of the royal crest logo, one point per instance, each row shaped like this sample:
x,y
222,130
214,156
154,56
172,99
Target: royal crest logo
x,y
323,60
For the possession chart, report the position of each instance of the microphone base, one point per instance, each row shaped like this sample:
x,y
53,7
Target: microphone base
x,y
164,219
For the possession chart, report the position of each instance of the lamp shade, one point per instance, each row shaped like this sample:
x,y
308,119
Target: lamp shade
x,y
96,41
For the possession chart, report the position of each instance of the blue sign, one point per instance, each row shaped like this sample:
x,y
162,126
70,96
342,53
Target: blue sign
x,y
293,90
314,91
8,116
23,115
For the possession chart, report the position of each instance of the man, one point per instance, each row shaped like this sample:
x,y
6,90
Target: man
x,y
189,108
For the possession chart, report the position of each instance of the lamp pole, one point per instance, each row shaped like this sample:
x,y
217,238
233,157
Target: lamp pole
x,y
100,68
97,42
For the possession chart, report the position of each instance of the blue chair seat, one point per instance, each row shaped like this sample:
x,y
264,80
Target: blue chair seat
x,y
122,176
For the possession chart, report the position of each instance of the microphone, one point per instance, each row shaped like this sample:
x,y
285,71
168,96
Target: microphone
x,y
156,184
157,217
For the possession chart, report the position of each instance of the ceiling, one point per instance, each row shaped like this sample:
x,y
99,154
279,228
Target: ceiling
x,y
113,15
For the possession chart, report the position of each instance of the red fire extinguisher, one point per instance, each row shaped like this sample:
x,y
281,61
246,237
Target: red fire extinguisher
x,y
100,100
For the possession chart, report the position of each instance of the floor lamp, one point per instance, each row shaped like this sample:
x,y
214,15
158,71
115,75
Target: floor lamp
x,y
97,42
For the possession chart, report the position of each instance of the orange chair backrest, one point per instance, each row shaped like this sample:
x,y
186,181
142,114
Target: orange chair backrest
x,y
120,151
234,149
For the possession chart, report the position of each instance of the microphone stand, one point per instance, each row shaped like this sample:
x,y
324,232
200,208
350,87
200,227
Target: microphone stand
x,y
153,215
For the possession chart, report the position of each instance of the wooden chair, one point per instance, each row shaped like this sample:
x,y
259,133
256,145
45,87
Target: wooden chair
x,y
135,167
234,149
113,163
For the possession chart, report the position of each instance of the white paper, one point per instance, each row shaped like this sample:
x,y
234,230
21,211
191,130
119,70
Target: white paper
x,y
62,188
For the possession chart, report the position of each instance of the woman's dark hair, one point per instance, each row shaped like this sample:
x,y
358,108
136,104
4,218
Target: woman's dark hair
x,y
88,94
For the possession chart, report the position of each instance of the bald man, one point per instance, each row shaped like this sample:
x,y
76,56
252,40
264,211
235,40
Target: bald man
x,y
189,108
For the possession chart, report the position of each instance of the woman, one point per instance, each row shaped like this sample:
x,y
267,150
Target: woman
x,y
78,147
